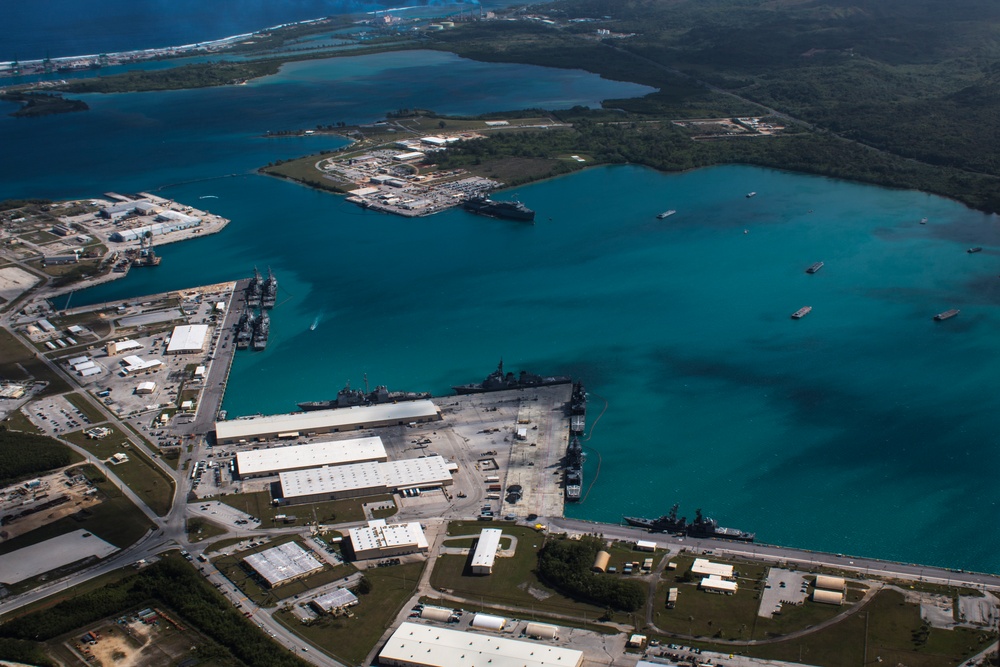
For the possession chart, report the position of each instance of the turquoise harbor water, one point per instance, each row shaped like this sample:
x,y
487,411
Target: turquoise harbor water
x,y
864,428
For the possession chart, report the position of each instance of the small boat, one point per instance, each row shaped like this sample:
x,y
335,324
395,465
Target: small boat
x,y
948,314
751,194
815,267
976,249
923,221
801,312
666,214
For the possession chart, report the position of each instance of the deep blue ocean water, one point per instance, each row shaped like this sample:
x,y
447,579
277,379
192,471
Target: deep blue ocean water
x,y
864,428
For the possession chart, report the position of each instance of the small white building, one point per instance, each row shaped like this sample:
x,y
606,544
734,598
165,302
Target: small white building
x,y
542,631
334,601
645,545
486,551
120,346
716,584
147,387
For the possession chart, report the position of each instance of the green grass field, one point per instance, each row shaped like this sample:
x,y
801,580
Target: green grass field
x,y
16,421
349,639
513,581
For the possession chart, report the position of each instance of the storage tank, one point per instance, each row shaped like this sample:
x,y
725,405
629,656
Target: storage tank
x,y
601,562
488,622
542,631
436,614
831,583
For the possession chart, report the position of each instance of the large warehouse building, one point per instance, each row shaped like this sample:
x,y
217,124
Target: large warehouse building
x,y
414,645
381,540
263,462
362,479
283,564
188,339
325,421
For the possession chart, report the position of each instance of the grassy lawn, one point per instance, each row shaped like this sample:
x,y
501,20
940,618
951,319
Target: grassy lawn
x,y
86,407
258,504
115,520
16,360
349,639
16,421
140,474
200,529
232,567
513,581
891,629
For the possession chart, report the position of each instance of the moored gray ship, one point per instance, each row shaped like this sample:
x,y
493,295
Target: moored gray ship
x,y
499,381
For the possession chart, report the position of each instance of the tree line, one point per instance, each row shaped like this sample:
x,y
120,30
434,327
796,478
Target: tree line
x,y
566,566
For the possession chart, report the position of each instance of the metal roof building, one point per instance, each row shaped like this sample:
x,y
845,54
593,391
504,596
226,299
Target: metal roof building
x,y
334,600
378,539
716,584
601,562
326,421
828,597
831,583
486,551
414,645
439,614
707,568
271,461
282,564
362,479
188,339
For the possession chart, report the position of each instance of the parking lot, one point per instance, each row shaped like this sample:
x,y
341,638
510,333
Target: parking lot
x,y
225,515
782,587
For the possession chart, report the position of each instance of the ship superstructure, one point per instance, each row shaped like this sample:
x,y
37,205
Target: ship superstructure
x,y
499,381
269,290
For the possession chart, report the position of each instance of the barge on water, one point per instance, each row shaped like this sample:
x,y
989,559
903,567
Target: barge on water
x,y
946,315
815,267
801,312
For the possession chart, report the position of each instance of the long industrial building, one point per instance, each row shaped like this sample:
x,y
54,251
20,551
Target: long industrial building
x,y
486,551
263,462
315,485
414,645
325,421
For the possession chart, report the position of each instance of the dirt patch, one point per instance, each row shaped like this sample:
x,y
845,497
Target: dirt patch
x,y
536,593
117,650
53,486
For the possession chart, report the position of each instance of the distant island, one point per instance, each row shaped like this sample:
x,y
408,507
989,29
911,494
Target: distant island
x,y
42,104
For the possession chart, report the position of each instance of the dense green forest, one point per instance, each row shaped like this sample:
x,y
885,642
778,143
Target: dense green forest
x,y
912,80
24,455
565,565
199,75
176,585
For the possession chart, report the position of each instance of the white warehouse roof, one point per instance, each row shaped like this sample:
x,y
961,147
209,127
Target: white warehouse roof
x,y
335,600
379,535
325,420
486,551
379,476
414,644
705,567
188,338
283,563
314,455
